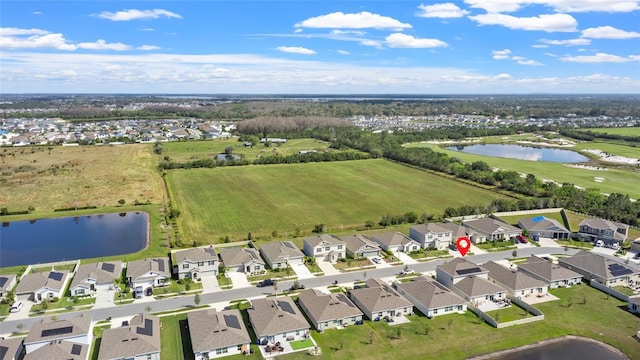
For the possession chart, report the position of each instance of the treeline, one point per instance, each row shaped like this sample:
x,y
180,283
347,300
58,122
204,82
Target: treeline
x,y
273,126
589,135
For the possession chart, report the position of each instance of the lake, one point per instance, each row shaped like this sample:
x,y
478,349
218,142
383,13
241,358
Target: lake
x,y
70,238
562,350
522,152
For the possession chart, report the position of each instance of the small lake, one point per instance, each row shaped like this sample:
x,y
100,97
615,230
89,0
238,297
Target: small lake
x,y
563,350
70,238
522,152
225,157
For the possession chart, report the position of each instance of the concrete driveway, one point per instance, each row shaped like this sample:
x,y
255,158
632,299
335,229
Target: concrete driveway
x,y
104,297
238,279
327,268
547,242
405,258
23,313
302,271
209,283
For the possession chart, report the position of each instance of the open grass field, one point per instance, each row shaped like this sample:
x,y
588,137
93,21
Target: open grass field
x,y
629,131
192,150
614,180
614,149
465,337
55,177
261,199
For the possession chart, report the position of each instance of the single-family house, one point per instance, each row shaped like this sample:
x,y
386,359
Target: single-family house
x,y
216,334
244,260
140,340
324,247
77,330
42,285
377,300
517,283
277,319
326,311
478,290
493,229
279,254
11,348
7,282
60,350
395,241
359,246
633,304
609,232
458,269
552,274
431,297
595,267
89,277
196,262
147,273
431,236
458,231
544,227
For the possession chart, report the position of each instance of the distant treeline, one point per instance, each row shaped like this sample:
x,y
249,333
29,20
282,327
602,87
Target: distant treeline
x,y
588,135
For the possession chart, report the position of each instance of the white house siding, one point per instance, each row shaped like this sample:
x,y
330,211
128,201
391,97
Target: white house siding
x,y
331,324
222,352
286,336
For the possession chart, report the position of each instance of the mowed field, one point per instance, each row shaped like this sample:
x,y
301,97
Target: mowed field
x,y
54,177
629,131
261,199
612,180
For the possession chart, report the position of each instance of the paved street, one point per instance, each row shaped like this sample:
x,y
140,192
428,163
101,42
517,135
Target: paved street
x,y
224,296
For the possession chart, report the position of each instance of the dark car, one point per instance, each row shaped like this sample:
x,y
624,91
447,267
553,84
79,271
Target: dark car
x,y
149,291
296,287
266,282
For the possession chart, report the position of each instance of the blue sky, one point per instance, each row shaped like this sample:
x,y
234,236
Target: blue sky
x,y
320,47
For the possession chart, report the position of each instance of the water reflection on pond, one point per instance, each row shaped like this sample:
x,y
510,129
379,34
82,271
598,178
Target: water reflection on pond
x,y
522,152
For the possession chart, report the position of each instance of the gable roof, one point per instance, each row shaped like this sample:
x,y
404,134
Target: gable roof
x,y
64,350
325,239
195,255
461,267
51,279
457,230
474,286
279,251
138,268
357,241
429,228
392,239
431,293
141,336
50,330
541,223
9,347
210,329
378,296
323,307
512,279
598,265
547,270
102,272
602,224
490,226
239,256
271,316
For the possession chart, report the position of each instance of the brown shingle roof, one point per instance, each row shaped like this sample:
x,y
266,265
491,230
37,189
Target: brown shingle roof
x,y
137,268
211,330
431,293
378,296
279,251
102,272
461,267
357,241
324,307
313,241
196,255
597,265
512,279
49,330
32,282
547,270
64,350
239,256
273,316
392,239
474,286
142,336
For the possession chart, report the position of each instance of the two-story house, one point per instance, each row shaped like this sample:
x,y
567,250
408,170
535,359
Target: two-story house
x,y
324,247
599,229
147,273
195,262
431,236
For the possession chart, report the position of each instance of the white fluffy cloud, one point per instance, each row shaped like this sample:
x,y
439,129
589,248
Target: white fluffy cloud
x,y
611,6
148,47
36,41
11,31
506,55
296,50
501,54
601,58
544,22
134,14
103,45
569,42
444,11
608,32
400,40
361,20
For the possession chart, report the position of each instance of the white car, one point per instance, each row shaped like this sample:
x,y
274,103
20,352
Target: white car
x,y
15,307
376,259
407,271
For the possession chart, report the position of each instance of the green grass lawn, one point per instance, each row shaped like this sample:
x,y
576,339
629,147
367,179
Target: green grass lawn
x,y
282,198
629,131
511,313
421,254
377,340
301,344
174,338
625,290
615,149
574,243
616,180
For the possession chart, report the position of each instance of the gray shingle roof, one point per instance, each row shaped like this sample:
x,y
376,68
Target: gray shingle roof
x,y
474,286
512,279
548,270
5,280
544,224
596,264
392,239
431,293
279,251
357,241
429,228
273,316
211,330
324,307
196,254
239,256
461,267
457,230
102,272
9,347
64,350
49,330
142,336
313,241
603,224
137,268
32,282
490,226
378,296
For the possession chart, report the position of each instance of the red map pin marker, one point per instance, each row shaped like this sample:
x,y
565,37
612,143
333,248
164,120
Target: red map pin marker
x,y
463,244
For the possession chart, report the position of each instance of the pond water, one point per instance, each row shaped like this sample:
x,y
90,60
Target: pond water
x,y
225,157
70,238
522,152
564,349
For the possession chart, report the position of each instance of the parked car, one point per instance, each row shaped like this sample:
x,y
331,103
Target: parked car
x,y
453,247
407,271
149,291
296,286
599,243
15,307
266,282
138,292
636,256
376,259
522,239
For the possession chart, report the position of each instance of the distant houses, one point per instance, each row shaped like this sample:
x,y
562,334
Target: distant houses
x,y
609,232
359,246
431,236
493,229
